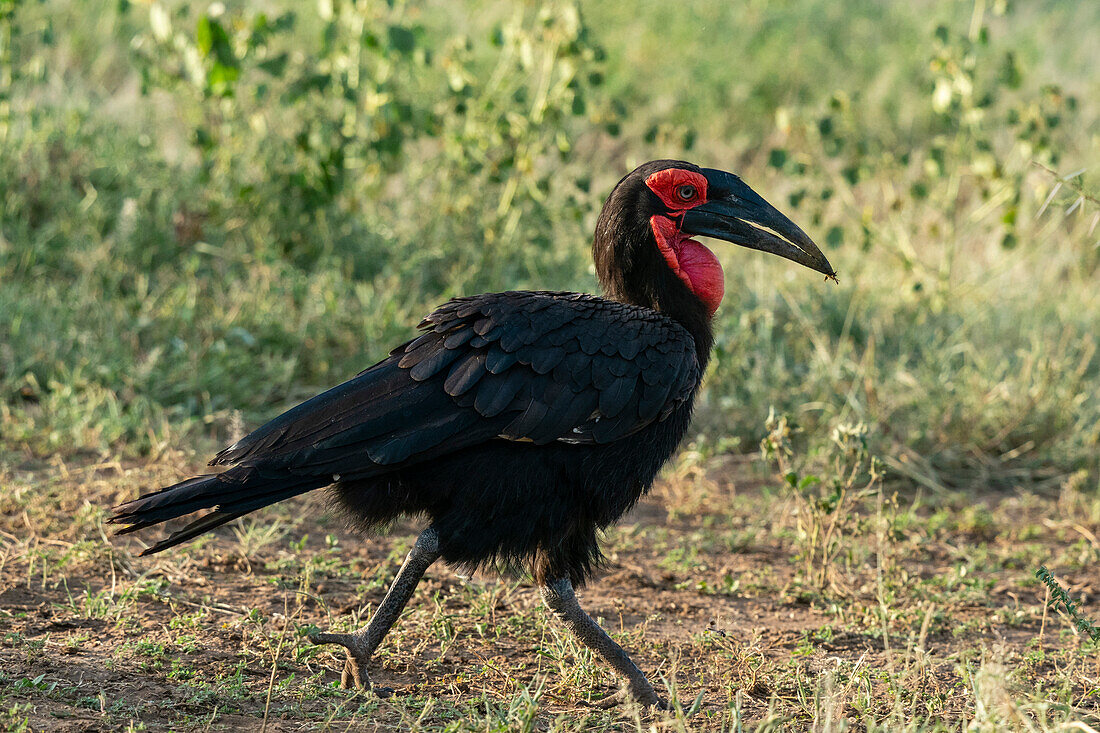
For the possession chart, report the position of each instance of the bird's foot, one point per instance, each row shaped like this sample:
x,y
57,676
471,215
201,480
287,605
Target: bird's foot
x,y
354,675
647,697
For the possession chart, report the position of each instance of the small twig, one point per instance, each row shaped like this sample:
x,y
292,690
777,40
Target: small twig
x,y
210,722
1043,623
1070,181
275,664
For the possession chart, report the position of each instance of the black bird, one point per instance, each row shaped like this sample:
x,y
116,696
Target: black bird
x,y
519,424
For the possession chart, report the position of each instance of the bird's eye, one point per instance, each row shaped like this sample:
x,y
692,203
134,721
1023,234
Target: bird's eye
x,y
685,192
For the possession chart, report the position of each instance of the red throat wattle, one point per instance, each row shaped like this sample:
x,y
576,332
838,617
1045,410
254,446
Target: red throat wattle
x,y
693,263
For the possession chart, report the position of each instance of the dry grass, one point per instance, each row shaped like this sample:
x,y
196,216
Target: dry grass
x,y
934,623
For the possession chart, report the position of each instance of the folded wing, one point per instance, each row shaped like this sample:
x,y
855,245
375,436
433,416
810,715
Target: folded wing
x,y
532,366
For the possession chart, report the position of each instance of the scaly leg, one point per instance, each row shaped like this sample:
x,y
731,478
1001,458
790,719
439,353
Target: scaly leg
x,y
361,644
562,600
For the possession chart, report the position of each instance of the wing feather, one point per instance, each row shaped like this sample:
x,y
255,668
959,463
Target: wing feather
x,y
533,366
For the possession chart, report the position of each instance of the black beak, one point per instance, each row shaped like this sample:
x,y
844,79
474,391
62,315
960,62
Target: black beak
x,y
736,213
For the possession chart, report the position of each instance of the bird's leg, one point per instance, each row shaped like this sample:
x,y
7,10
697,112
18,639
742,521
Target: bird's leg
x,y
361,644
562,600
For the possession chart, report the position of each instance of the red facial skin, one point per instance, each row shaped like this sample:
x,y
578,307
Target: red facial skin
x,y
693,263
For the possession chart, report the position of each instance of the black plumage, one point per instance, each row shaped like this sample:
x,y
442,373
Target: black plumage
x,y
498,402
519,424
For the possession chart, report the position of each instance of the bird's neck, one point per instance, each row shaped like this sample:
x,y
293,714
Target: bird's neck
x,y
631,270
684,307
663,292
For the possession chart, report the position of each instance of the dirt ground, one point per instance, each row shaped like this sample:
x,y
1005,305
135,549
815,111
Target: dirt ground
x,y
913,612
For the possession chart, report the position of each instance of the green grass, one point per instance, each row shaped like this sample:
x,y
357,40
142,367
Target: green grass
x,y
199,228
155,284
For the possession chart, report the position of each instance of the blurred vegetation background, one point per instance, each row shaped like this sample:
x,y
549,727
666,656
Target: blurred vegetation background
x,y
211,208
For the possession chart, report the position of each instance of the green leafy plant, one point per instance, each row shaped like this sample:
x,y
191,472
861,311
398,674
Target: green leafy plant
x,y
827,510
1061,599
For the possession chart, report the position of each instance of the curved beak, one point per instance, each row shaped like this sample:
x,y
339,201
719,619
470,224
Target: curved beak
x,y
736,213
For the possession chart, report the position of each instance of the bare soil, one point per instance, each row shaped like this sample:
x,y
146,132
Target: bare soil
x,y
926,620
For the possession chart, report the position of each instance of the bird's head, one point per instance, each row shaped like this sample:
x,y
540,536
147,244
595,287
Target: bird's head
x,y
643,248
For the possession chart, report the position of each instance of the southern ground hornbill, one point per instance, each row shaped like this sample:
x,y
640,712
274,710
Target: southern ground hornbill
x,y
518,424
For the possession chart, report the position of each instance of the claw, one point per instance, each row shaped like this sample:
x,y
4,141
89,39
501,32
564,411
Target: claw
x,y
354,675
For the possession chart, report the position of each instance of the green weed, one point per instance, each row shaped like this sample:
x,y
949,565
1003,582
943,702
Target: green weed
x,y
1060,599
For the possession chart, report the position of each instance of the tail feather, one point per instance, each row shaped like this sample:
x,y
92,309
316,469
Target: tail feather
x,y
231,494
203,524
172,501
